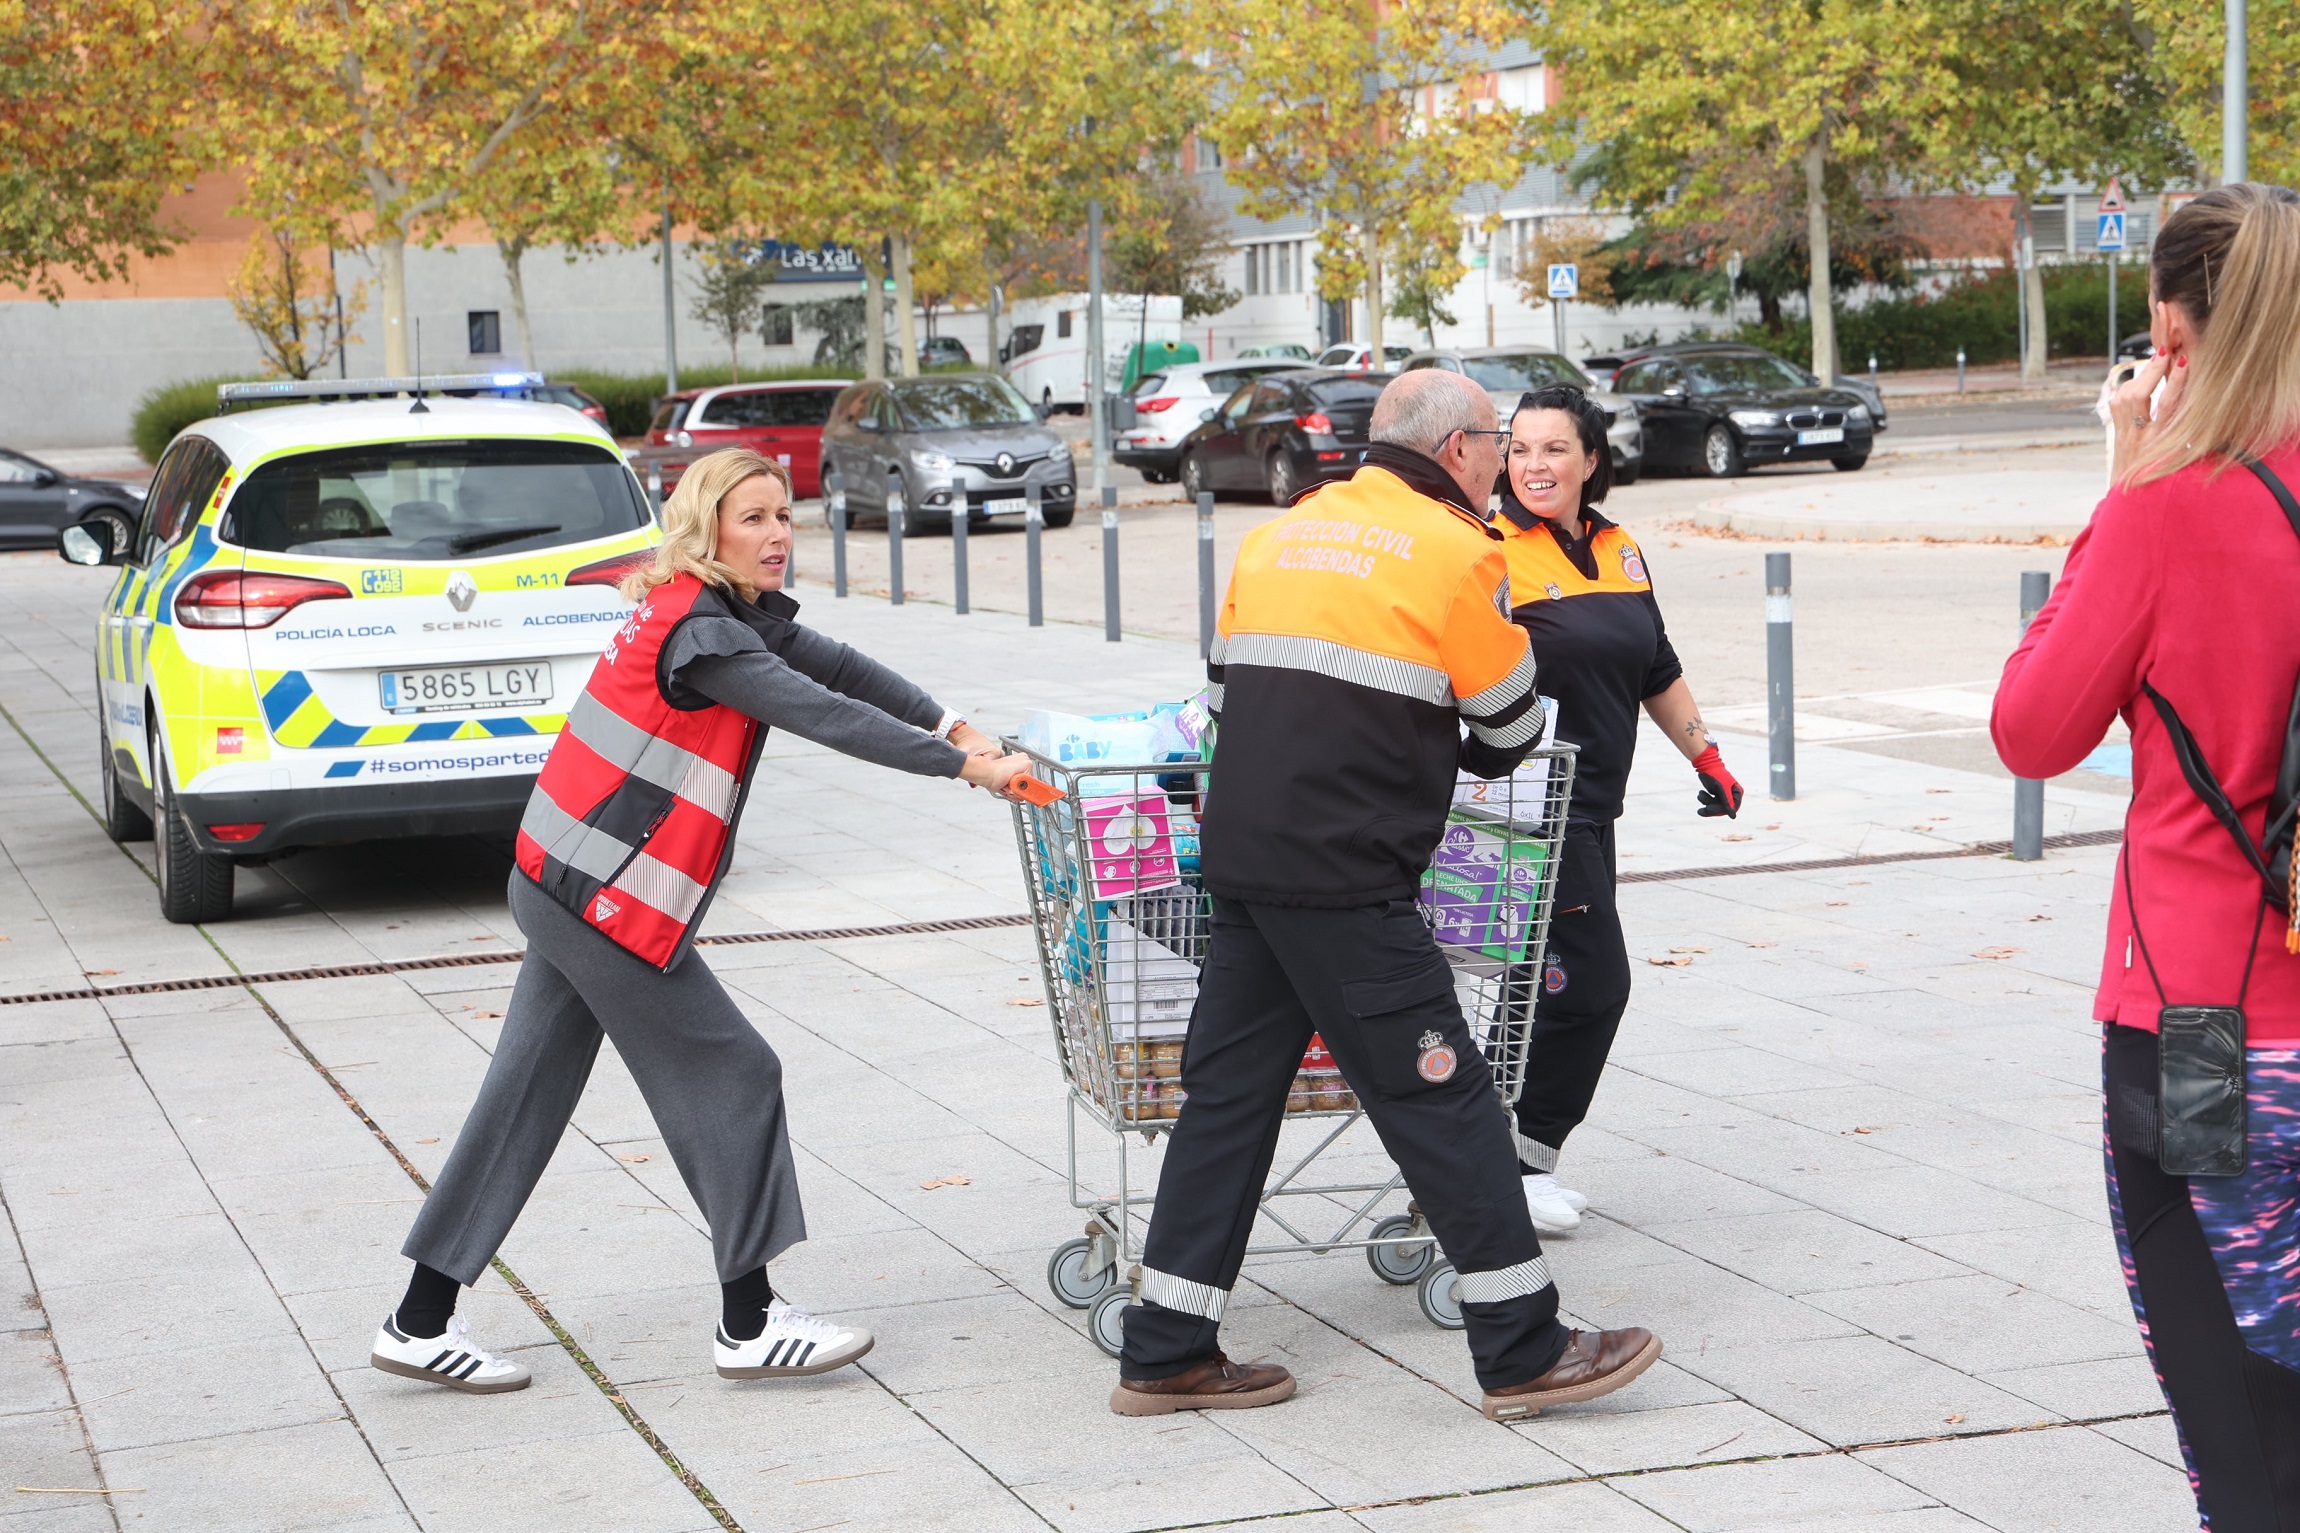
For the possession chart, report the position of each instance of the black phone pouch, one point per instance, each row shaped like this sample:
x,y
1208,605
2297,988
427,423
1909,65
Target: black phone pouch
x,y
2200,1090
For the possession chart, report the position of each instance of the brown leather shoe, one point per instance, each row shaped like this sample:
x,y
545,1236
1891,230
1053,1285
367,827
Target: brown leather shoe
x,y
1595,1363
1217,1384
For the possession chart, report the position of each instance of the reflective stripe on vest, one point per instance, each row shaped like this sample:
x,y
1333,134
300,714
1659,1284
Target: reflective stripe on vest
x,y
630,818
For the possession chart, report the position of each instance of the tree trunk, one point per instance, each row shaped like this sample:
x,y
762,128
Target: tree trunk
x,y
1769,311
1818,296
992,360
391,271
2032,349
512,251
874,318
1374,358
905,323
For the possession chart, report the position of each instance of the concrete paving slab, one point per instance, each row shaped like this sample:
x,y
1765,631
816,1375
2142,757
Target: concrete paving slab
x,y
1783,1493
1860,1389
2072,1480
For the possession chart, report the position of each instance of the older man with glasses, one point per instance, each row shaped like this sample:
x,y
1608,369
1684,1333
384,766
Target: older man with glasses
x,y
1363,628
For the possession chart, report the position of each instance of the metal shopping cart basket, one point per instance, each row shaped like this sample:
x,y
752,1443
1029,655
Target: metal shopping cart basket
x,y
1120,917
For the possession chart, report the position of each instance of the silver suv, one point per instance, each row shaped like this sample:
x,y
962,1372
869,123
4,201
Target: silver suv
x,y
926,437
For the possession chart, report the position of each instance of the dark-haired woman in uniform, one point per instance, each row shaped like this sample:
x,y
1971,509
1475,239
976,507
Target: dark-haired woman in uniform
x,y
1579,586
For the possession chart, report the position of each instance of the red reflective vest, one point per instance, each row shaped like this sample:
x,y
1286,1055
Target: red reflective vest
x,y
633,816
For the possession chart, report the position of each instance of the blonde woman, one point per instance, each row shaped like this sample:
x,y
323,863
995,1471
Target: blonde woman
x,y
629,833
2178,611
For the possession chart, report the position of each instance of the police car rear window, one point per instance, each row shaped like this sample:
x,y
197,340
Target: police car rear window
x,y
415,501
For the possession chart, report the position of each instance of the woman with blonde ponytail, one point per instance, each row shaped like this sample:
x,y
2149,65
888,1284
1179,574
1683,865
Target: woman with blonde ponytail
x,y
2179,611
628,835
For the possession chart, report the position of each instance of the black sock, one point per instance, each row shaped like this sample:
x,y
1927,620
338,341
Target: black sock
x,y
430,1302
743,1306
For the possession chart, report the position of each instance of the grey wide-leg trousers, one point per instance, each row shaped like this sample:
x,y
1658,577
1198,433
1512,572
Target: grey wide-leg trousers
x,y
714,1086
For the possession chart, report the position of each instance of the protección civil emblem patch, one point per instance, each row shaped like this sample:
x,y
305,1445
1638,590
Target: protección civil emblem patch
x,y
1437,1061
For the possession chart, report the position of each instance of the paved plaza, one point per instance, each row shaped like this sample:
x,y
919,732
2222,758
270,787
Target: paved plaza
x,y
1846,1160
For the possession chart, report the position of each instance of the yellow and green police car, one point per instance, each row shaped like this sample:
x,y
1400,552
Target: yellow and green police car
x,y
352,620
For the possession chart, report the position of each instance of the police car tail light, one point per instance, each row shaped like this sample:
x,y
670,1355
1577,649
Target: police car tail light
x,y
608,572
248,598
1315,423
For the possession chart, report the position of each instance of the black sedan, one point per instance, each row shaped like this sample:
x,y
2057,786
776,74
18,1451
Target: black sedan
x,y
36,501
1283,433
1723,409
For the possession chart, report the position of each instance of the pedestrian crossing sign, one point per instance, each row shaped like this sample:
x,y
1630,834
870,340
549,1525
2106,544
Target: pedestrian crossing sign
x,y
1565,280
2111,236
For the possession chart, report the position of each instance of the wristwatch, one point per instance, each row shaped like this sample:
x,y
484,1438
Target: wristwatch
x,y
950,721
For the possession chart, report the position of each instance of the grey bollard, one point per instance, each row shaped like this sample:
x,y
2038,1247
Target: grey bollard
x,y
655,490
1780,678
959,517
1206,596
1873,376
1960,369
2028,792
1033,529
894,543
838,517
1110,563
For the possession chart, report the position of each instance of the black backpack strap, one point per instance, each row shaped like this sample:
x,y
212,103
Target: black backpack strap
x,y
2207,787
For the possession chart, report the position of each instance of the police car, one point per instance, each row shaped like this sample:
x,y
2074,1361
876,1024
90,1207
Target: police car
x,y
352,620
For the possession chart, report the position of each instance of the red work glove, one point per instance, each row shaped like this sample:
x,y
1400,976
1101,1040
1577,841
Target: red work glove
x,y
1720,793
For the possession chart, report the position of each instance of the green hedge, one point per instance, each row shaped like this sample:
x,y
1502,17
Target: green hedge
x,y
168,409
1981,315
630,397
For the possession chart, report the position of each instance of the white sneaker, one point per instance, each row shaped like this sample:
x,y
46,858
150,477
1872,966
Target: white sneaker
x,y
1552,1207
1580,1203
453,1359
793,1345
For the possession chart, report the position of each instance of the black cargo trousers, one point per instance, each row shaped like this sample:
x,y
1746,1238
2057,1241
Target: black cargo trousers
x,y
1371,981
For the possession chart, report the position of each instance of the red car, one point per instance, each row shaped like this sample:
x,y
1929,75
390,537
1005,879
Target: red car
x,y
780,420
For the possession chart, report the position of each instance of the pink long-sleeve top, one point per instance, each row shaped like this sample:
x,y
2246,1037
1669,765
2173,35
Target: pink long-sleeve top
x,y
2192,584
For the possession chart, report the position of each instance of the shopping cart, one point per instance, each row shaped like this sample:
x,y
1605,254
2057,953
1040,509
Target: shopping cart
x,y
1120,917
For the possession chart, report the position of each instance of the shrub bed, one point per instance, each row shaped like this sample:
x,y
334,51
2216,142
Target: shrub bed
x,y
1981,315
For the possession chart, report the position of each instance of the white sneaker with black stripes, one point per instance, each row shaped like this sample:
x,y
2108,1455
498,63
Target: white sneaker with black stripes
x,y
793,1345
453,1359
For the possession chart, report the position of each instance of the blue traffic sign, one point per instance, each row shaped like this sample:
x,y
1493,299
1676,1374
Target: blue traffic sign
x,y
2111,236
1565,281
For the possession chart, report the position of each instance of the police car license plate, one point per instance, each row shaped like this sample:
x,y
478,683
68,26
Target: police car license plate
x,y
1823,435
1012,505
465,688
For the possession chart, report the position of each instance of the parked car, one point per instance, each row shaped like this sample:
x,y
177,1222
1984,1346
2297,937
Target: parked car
x,y
1506,373
915,436
2136,347
346,622
573,398
1602,368
1721,409
1168,405
36,500
943,351
1283,433
1357,357
1276,349
781,420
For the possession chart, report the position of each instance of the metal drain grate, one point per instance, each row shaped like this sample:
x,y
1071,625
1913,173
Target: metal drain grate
x,y
498,955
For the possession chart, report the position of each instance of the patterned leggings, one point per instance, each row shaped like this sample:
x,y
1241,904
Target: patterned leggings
x,y
2213,1267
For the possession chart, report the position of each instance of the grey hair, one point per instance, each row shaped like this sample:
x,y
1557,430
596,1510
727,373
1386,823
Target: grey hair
x,y
1422,408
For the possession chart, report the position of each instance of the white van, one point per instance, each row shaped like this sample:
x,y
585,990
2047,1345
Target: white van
x,y
1045,350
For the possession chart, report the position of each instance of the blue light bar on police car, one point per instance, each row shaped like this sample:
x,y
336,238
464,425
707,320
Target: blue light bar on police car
x,y
323,390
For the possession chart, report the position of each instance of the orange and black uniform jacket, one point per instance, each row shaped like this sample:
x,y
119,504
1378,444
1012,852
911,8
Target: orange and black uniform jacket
x,y
1598,636
1362,629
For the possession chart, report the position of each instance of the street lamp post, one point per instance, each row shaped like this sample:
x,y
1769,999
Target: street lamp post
x,y
2235,153
1094,360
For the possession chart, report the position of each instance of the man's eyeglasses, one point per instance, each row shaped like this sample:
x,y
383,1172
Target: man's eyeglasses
x,y
1500,439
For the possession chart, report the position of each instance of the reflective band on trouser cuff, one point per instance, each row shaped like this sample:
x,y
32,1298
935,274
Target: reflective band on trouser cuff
x,y
651,758
585,848
1181,1295
1533,1152
1383,673
1508,1283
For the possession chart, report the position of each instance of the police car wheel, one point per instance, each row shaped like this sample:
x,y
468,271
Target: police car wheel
x,y
1441,1300
1106,1322
1402,1265
1068,1275
195,886
1721,452
123,821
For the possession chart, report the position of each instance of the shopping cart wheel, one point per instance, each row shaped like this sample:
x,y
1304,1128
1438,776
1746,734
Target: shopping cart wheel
x,y
1441,1297
1106,1320
1067,1274
1402,1265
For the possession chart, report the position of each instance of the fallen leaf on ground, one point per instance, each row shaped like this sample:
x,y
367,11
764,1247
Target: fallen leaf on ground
x,y
1669,963
636,1160
1768,942
1737,836
1954,1417
1996,952
946,1181
2032,918
1864,1131
1688,950
1772,827
92,973
488,1016
1835,903
434,1139
1025,1000
1940,790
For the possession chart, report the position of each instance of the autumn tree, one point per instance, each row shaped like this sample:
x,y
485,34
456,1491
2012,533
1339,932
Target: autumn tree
x,y
388,112
101,116
1370,113
2184,41
729,292
555,186
1170,241
280,294
1695,103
